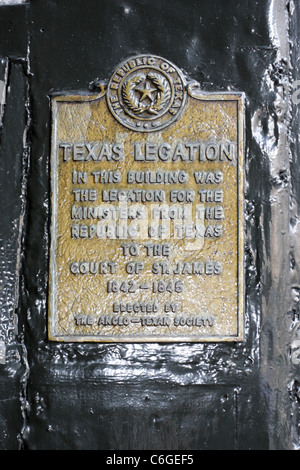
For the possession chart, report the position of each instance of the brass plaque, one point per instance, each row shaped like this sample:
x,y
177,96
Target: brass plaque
x,y
147,210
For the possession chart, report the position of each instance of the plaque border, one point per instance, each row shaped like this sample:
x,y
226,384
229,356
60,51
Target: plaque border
x,y
194,91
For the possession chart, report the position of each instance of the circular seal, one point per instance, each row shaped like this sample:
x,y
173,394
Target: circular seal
x,y
146,93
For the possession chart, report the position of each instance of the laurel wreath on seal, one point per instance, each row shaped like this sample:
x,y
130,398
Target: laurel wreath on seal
x,y
132,102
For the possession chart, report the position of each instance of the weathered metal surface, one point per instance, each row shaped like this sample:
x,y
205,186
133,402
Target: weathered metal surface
x,y
13,163
147,211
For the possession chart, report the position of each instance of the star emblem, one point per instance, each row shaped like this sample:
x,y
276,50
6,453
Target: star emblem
x,y
146,92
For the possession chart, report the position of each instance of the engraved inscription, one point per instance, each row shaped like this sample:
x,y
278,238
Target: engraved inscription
x,y
146,93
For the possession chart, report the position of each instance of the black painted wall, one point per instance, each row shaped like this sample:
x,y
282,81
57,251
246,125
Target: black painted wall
x,y
151,396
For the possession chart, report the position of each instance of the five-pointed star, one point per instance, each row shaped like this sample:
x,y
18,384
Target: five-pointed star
x,y
146,91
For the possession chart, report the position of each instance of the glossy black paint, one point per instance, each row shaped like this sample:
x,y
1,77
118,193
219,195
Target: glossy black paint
x,y
130,396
